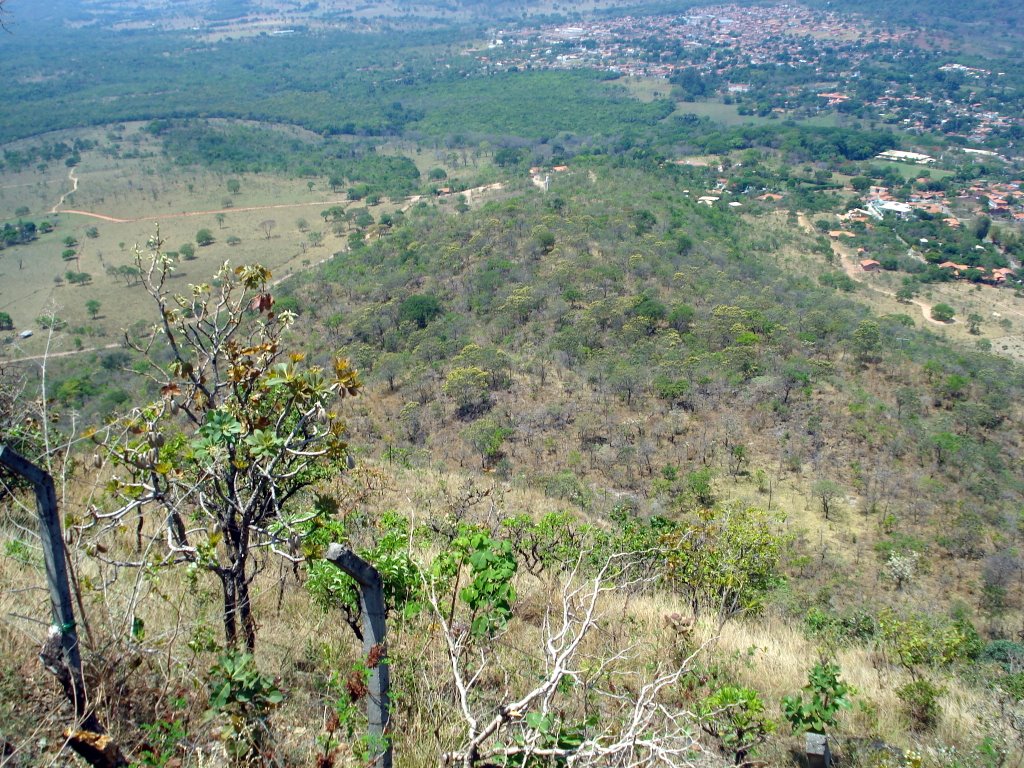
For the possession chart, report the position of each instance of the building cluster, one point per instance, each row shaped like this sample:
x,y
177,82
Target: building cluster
x,y
724,39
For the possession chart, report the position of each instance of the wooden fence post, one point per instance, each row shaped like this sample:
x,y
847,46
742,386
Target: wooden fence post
x,y
60,653
371,601
56,573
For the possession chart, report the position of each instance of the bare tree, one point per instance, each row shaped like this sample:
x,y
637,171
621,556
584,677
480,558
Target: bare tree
x,y
267,225
609,710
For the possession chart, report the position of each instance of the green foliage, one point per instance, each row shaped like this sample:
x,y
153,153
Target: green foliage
x,y
923,640
700,487
204,237
943,313
6,323
724,560
487,437
826,696
920,699
553,543
241,698
468,388
164,742
734,716
489,567
549,732
419,309
1006,653
332,589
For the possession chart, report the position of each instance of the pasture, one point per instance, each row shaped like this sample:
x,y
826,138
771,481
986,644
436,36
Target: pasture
x,y
119,195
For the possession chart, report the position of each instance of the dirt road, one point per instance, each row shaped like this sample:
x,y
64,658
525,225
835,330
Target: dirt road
x,y
851,266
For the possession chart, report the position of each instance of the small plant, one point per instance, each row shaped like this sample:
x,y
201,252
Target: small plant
x,y
827,696
920,700
734,717
490,567
163,743
242,698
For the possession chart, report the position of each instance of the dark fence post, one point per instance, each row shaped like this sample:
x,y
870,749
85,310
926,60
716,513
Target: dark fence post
x,y
371,601
60,653
56,574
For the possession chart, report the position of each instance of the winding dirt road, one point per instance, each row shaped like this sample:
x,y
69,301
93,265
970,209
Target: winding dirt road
x,y
848,260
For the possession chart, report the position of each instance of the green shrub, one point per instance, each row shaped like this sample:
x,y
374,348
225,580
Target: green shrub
x,y
827,695
920,700
1005,653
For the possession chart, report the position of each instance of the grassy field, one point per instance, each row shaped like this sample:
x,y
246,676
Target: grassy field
x,y
646,89
127,200
914,171
726,114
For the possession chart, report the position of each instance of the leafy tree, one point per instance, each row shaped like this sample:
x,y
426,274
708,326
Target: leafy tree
x,y
234,186
419,309
487,437
725,561
92,306
6,323
187,251
467,387
204,237
943,313
867,341
828,492
544,238
239,433
92,233
860,183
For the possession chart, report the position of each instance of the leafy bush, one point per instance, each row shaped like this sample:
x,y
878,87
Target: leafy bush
x,y
735,717
241,697
1006,653
920,700
827,696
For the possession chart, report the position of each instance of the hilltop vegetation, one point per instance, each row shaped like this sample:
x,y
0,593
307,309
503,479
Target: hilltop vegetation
x,y
657,463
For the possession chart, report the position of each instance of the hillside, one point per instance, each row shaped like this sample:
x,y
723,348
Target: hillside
x,y
676,399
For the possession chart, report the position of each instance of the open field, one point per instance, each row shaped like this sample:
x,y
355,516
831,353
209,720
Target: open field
x,y
914,171
126,201
646,89
726,114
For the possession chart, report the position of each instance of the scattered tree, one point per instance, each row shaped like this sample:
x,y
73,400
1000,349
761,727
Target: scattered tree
x,y
943,313
92,306
204,237
238,434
